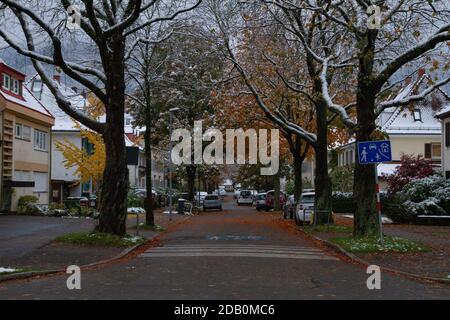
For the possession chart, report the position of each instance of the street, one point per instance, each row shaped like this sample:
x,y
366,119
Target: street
x,y
235,254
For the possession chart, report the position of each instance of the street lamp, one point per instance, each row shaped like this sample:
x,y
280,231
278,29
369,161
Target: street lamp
x,y
170,161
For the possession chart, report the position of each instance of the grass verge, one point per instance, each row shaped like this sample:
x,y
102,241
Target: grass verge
x,y
372,245
327,228
99,239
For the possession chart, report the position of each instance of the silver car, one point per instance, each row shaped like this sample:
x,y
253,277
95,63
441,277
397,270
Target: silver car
x,y
212,201
305,208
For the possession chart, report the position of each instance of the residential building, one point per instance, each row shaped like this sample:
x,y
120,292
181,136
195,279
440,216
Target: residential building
x,y
412,130
25,160
444,116
137,162
64,181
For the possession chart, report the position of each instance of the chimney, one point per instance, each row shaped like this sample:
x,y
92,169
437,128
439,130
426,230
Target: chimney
x,y
57,75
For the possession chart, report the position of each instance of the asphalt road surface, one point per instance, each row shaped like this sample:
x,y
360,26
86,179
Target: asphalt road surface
x,y
234,254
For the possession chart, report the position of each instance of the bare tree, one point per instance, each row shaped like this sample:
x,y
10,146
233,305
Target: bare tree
x,y
378,47
108,27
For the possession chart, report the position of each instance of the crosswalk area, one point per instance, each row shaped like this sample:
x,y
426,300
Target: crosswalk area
x,y
235,250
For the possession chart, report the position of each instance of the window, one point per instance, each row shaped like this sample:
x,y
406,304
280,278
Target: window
x,y
40,140
15,86
436,151
128,121
23,132
417,115
37,86
26,133
433,151
19,131
40,182
6,82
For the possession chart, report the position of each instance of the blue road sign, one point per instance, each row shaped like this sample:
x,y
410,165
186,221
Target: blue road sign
x,y
374,152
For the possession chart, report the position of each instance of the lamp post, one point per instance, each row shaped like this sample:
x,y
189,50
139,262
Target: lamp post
x,y
170,161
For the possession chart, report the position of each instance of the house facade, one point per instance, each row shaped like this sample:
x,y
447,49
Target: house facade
x,y
25,160
137,162
412,130
64,181
444,116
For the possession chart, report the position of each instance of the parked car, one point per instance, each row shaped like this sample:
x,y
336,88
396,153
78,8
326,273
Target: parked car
x,y
261,201
270,199
289,208
305,208
201,195
212,201
245,197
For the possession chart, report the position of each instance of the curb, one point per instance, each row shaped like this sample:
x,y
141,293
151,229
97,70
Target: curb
x,y
338,249
32,274
124,253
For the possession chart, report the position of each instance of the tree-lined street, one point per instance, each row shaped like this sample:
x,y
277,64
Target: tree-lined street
x,y
235,254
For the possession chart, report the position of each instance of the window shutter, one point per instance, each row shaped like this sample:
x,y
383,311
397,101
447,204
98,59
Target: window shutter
x,y
428,150
447,134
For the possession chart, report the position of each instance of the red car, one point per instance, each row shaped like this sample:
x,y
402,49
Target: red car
x,y
270,198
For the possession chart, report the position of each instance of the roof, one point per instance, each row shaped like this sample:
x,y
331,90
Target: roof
x,y
400,120
444,113
29,101
63,122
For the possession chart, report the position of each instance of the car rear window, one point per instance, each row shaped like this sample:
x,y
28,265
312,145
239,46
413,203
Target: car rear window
x,y
261,197
308,199
246,193
211,197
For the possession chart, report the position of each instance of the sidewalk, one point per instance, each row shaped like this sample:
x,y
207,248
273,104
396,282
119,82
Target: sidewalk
x,y
27,243
435,264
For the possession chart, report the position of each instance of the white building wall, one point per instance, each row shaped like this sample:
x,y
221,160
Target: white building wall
x,y
59,172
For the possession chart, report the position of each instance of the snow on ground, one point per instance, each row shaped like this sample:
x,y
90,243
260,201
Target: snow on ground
x,y
6,270
383,219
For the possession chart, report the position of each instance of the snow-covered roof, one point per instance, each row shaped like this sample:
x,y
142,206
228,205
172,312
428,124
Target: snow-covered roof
x,y
400,120
29,101
444,112
63,122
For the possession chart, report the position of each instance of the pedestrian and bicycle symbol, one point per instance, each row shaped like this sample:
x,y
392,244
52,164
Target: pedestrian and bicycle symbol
x,y
374,152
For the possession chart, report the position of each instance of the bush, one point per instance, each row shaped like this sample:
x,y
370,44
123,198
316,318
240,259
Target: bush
x,y
411,168
342,178
392,206
134,200
342,202
26,205
427,196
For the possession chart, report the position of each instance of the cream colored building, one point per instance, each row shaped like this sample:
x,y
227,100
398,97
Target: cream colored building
x,y
444,115
25,141
412,130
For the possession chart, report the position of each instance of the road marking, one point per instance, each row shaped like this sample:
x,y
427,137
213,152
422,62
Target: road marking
x,y
252,251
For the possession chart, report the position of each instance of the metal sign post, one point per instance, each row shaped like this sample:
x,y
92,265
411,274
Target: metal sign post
x,y
380,219
375,152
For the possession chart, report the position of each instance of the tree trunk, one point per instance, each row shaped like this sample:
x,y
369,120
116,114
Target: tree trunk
x,y
148,203
365,218
113,200
323,186
191,171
